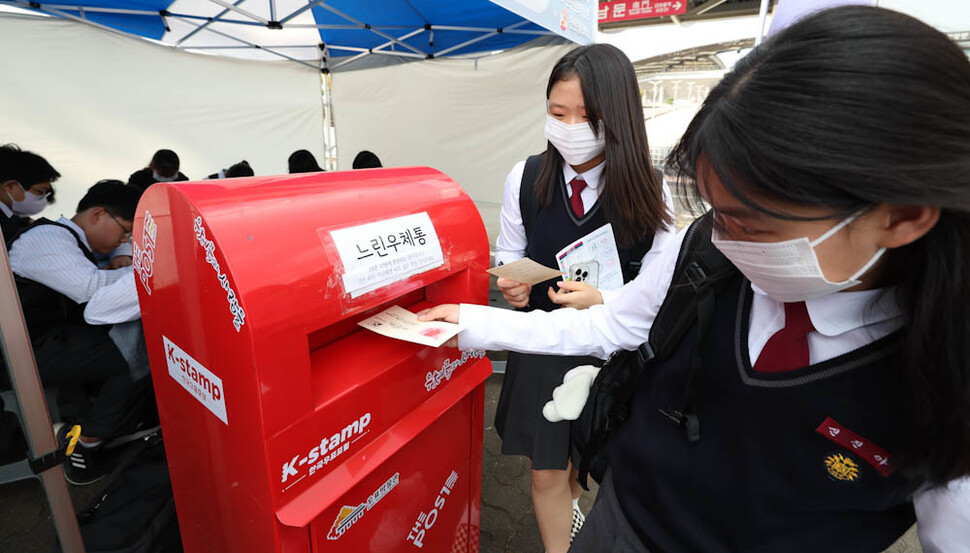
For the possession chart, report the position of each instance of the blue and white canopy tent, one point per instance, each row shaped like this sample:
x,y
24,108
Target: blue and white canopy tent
x,y
308,32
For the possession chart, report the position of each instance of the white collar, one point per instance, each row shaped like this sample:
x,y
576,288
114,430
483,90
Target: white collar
x,y
80,232
6,210
841,312
592,177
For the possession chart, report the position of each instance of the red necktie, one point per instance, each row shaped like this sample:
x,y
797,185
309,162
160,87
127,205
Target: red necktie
x,y
787,349
576,201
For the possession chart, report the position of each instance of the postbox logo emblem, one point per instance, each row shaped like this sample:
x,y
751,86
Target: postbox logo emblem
x,y
350,514
197,380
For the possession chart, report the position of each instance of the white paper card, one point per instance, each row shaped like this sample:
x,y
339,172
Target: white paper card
x,y
525,271
380,253
400,324
594,253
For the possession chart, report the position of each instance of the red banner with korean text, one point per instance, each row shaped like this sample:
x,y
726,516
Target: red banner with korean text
x,y
626,10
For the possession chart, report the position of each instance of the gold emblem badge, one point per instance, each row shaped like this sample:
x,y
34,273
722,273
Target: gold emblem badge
x,y
842,467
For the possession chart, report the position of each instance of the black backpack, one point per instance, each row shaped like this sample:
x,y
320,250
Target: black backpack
x,y
701,271
136,513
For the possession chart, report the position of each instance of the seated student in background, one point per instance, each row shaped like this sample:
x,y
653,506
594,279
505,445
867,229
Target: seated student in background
x,y
302,161
25,188
67,303
164,167
241,169
367,160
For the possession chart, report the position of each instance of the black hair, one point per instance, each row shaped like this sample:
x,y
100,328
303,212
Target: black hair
x,y
241,169
116,197
166,162
302,161
27,168
366,159
632,193
849,108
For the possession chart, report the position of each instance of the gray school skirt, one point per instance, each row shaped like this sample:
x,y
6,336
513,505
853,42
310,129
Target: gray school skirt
x,y
606,529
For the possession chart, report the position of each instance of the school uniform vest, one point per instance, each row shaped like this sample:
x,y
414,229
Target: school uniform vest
x,y
556,226
777,467
45,308
12,225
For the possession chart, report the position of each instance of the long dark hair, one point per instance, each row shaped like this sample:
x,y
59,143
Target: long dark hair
x,y
849,108
632,194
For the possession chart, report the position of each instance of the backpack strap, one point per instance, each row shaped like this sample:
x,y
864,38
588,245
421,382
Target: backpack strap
x,y
528,203
701,271
45,221
699,265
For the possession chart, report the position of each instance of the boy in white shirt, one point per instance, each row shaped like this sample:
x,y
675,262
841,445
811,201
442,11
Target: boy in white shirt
x,y
58,281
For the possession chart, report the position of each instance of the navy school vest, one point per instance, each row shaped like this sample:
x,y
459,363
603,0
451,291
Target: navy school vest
x,y
768,473
555,227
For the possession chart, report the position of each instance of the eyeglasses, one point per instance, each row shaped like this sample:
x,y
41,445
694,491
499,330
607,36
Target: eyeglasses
x,y
123,229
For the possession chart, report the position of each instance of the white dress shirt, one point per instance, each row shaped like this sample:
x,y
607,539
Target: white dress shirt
x,y
844,322
511,242
6,210
49,255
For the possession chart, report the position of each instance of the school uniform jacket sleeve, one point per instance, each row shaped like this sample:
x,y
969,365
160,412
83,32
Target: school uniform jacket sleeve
x,y
50,256
114,303
511,242
623,323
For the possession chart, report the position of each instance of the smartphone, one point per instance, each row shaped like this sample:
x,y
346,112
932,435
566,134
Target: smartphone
x,y
587,271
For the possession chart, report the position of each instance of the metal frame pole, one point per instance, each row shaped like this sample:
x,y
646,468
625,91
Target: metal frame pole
x,y
19,356
762,17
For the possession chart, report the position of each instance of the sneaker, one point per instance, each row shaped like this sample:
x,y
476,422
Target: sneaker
x,y
86,465
578,520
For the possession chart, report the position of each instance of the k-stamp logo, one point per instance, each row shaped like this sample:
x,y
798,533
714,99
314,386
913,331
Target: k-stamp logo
x,y
143,252
350,514
196,379
330,447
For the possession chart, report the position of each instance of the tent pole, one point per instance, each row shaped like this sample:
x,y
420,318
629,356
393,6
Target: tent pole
x,y
381,34
329,127
206,24
240,11
762,16
478,39
306,7
19,357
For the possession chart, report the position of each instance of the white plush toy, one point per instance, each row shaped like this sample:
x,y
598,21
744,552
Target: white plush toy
x,y
569,397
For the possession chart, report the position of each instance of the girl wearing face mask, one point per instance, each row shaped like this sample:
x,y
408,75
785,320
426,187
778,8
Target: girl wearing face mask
x,y
833,393
25,188
595,170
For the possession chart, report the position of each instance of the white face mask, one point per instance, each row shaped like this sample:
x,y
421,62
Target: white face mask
x,y
159,178
788,271
31,205
576,143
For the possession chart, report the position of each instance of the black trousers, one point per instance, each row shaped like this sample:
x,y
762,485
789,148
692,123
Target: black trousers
x,y
84,354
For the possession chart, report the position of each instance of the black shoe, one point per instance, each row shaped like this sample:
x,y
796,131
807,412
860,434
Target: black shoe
x,y
86,465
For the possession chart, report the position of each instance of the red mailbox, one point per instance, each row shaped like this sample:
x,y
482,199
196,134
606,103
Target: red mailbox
x,y
287,426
